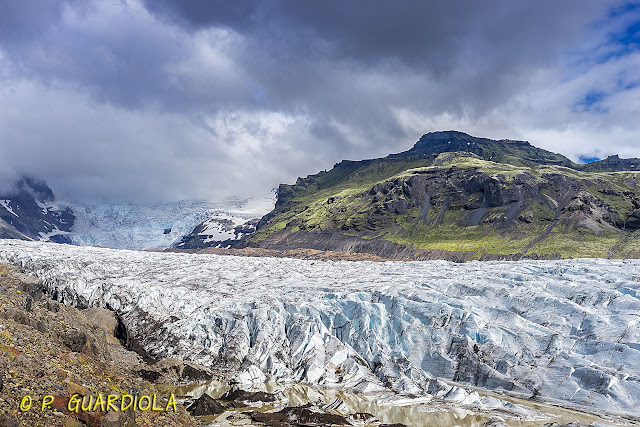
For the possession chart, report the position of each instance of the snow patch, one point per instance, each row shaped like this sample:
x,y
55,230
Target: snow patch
x,y
46,236
5,204
46,206
221,226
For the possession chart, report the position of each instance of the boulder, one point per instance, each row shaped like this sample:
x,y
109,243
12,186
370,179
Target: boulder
x,y
205,405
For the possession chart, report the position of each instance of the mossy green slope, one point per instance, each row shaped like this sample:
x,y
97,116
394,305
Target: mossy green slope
x,y
531,203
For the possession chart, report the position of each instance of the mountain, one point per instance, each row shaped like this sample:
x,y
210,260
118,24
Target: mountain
x,y
29,211
459,197
226,228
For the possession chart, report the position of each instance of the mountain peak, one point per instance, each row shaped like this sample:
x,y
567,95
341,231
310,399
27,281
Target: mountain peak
x,y
518,153
445,134
452,136
28,211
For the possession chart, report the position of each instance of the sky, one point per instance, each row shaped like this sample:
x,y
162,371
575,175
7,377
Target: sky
x,y
160,100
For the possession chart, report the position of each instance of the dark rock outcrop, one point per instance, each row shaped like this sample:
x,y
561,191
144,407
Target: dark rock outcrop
x,y
495,422
238,395
299,416
576,424
199,237
205,405
174,371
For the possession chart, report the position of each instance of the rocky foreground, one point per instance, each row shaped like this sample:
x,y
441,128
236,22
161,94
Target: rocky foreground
x,y
50,349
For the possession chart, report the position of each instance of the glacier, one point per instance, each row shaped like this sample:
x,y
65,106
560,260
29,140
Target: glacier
x,y
565,332
142,226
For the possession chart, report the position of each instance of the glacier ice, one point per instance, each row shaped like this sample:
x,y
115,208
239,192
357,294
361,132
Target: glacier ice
x,y
563,331
157,225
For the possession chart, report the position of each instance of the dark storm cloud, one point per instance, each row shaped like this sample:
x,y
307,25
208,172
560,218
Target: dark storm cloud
x,y
116,53
27,19
288,48
435,34
354,60
132,98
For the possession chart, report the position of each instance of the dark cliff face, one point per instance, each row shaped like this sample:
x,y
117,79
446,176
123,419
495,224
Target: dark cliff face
x,y
612,164
28,211
474,198
460,197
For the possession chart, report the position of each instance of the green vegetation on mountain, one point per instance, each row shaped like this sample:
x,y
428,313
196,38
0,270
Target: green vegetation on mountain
x,y
459,197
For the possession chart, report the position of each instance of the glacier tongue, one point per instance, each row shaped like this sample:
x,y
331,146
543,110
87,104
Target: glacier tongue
x,y
158,225
565,331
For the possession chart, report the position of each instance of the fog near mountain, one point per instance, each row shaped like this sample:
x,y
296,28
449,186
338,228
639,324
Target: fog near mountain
x,y
29,210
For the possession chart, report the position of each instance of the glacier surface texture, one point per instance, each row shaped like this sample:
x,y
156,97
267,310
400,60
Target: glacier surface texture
x,y
565,331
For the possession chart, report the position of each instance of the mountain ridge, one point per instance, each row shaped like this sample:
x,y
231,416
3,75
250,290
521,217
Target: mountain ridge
x,y
494,200
519,153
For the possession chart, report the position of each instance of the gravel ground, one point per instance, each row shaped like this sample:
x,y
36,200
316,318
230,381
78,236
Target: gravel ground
x,y
49,349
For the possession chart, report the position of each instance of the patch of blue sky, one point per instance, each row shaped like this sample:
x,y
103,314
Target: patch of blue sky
x,y
592,102
629,85
623,32
625,81
630,37
624,8
588,159
619,47
615,37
